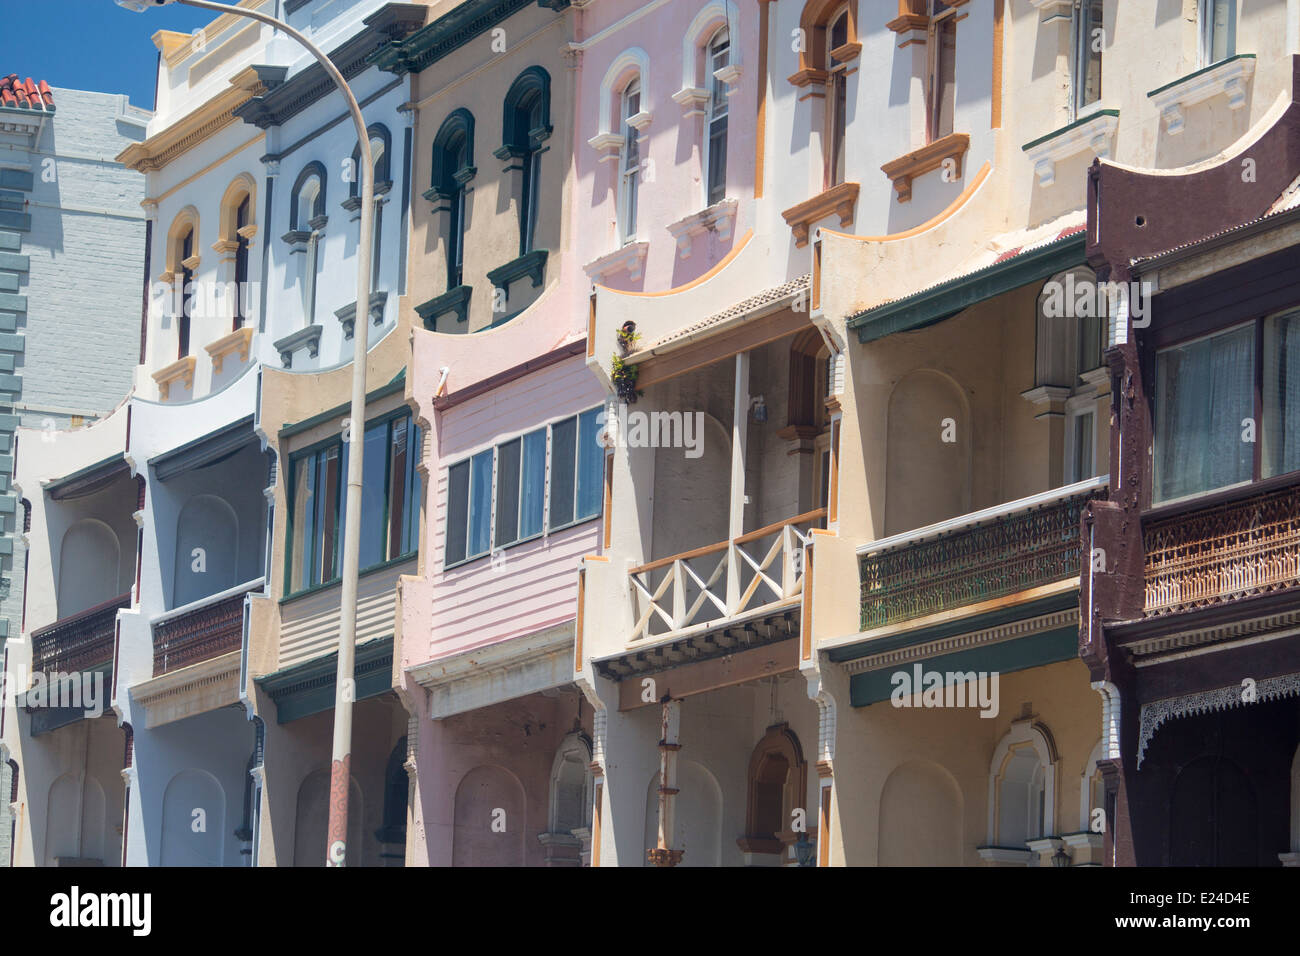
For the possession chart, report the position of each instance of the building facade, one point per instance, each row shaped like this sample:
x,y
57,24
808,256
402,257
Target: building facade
x,y
797,433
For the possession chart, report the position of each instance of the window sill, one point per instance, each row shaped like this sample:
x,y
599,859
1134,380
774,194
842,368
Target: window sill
x,y
308,338
1230,77
1005,855
1094,133
454,300
607,146
531,265
903,170
236,343
348,314
838,200
630,259
181,371
335,582
719,218
514,544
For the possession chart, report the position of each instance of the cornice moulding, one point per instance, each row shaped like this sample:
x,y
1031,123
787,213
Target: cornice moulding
x,y
1230,78
1093,133
719,218
838,200
630,259
236,343
905,169
180,371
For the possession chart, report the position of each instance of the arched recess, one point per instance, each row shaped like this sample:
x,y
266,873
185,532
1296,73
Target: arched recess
x,y
632,64
777,785
1092,787
928,458
806,403
242,189
694,485
207,549
713,16
63,820
311,823
816,17
489,820
526,116
1022,786
397,788
182,241
89,566
920,817
193,820
697,812
571,782
307,199
453,154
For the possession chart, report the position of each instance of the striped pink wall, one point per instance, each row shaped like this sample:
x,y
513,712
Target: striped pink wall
x,y
536,586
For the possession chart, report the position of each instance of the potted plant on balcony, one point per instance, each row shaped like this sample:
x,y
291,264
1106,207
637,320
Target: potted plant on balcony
x,y
624,378
627,337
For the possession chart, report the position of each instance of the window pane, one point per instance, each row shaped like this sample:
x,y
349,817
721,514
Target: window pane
x,y
508,493
374,467
1083,447
1088,53
564,436
399,489
414,492
533,495
1281,425
1203,394
943,92
591,462
480,503
457,511
304,524
1223,14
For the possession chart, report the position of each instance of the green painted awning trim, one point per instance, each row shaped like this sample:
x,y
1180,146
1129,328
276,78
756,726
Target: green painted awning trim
x,y
1065,129
1204,69
54,488
945,300
1038,650
396,385
965,625
308,688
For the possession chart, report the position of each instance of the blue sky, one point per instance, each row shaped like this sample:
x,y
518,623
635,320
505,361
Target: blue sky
x,y
89,44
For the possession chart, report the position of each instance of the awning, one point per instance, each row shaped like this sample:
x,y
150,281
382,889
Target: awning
x,y
308,688
1012,268
89,480
208,450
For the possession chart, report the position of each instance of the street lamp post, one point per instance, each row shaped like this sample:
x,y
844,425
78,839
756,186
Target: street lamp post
x,y
344,685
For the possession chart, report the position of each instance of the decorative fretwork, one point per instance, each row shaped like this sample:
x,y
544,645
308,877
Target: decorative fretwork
x,y
1223,553
1014,550
80,642
719,581
207,631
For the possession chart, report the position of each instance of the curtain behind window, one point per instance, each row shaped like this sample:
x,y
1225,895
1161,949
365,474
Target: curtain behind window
x,y
1282,394
1203,394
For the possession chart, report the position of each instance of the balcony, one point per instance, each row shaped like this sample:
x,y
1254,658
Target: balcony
x,y
1223,552
756,571
978,557
81,642
200,631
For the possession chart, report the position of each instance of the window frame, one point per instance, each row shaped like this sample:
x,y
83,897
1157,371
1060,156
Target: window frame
x,y
1081,27
416,488
629,185
1205,26
837,126
547,485
712,116
938,21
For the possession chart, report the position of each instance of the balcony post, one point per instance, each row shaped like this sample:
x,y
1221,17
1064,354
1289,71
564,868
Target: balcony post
x,y
739,443
679,595
663,854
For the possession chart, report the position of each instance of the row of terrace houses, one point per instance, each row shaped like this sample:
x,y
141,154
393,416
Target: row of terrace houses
x,y
797,433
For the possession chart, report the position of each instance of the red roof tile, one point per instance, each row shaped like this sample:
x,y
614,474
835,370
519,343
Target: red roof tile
x,y
29,95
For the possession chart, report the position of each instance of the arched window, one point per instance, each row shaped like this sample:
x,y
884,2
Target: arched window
x,y
941,85
570,807
453,168
837,35
237,231
629,160
527,125
778,784
307,222
182,261
381,157
1022,787
715,142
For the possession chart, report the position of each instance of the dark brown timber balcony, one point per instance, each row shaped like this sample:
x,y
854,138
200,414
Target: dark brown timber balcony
x,y
200,631
1223,552
977,557
80,642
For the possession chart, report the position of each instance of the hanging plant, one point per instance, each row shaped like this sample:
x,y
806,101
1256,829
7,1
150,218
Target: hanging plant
x,y
627,336
624,378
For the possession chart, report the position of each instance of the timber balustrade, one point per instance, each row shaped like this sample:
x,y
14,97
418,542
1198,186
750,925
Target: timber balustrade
x,y
201,630
718,581
79,642
976,557
1223,552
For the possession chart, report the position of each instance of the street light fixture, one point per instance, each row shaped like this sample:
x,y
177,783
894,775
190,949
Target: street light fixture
x,y
336,850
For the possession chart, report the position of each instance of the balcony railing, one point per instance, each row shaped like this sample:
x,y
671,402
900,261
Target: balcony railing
x,y
720,581
977,557
1223,552
201,630
79,642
